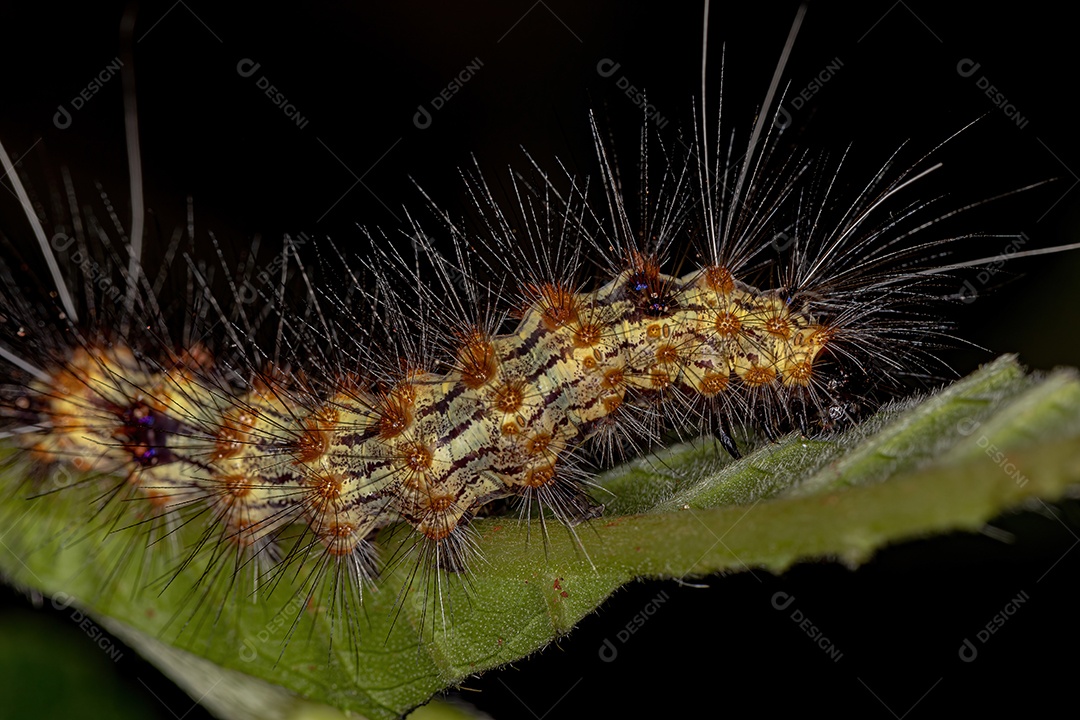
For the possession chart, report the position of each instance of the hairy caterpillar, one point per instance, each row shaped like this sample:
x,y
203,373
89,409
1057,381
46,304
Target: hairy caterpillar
x,y
375,206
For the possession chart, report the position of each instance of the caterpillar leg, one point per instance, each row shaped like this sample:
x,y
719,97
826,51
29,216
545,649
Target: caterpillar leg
x,y
720,428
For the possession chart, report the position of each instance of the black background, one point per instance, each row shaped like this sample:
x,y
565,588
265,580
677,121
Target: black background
x,y
358,74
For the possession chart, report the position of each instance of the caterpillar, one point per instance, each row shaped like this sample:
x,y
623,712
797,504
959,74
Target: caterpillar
x,y
375,203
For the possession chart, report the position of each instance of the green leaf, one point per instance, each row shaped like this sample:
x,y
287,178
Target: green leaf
x,y
953,461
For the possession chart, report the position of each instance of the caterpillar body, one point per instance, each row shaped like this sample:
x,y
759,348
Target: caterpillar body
x,y
301,451
429,450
